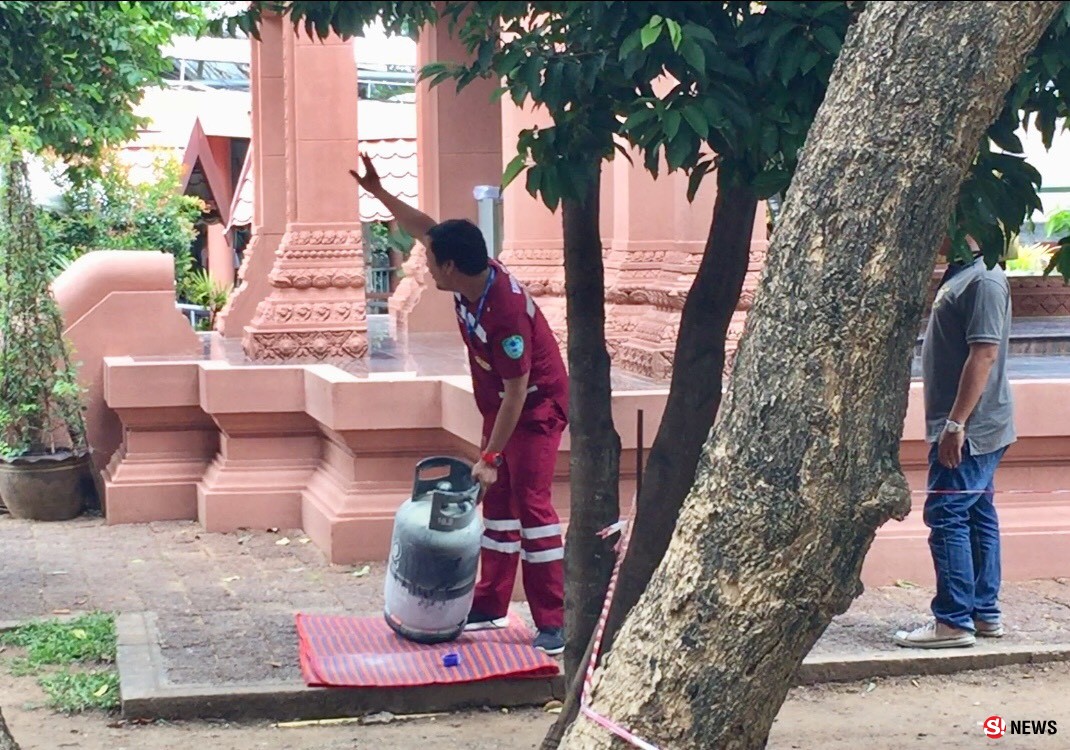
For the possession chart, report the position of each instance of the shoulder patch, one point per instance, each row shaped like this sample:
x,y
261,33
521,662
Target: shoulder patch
x,y
513,347
514,284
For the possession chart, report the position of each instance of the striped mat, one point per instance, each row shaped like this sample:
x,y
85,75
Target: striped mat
x,y
364,652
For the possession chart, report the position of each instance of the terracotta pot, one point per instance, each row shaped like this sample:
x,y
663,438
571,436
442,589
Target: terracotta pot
x,y
47,487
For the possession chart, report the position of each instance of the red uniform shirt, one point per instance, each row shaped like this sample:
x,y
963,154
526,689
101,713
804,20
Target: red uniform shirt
x,y
507,336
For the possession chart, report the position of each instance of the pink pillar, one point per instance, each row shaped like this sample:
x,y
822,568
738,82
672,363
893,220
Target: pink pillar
x,y
532,243
459,140
315,308
658,241
269,171
220,256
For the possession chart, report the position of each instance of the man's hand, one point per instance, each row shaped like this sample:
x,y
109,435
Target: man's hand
x,y
949,451
485,474
370,181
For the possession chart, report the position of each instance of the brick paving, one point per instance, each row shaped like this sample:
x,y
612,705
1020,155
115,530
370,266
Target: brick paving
x,y
225,602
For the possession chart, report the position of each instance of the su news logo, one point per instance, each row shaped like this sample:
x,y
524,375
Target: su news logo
x,y
995,727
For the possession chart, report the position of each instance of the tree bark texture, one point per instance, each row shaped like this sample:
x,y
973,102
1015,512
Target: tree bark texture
x,y
595,445
802,466
7,742
694,396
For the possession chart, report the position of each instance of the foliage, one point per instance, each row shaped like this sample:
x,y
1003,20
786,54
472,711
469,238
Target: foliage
x,y
1000,193
109,212
382,239
74,691
40,398
1028,259
74,71
86,641
750,79
1059,226
209,293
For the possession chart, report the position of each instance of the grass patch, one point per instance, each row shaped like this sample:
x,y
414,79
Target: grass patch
x,y
89,638
73,660
74,691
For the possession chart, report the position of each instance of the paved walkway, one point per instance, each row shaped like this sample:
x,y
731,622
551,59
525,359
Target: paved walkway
x,y
225,602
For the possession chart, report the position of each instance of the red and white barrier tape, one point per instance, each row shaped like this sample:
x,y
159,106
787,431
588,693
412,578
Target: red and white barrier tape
x,y
992,492
621,548
625,527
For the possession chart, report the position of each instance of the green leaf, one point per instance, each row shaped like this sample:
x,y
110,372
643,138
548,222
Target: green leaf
x,y
1060,260
809,61
675,34
679,150
791,58
551,189
781,31
771,182
637,118
694,56
514,168
770,138
670,121
828,39
697,120
650,33
531,74
629,46
694,180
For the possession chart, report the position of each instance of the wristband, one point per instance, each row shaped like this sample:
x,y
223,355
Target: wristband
x,y
492,459
954,427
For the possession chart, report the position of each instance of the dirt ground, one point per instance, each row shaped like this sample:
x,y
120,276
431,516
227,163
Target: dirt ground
x,y
925,713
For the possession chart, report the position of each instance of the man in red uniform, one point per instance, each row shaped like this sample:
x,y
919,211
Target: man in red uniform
x,y
521,389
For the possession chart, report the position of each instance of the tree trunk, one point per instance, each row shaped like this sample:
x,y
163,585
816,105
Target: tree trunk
x,y
802,466
7,742
694,395
595,445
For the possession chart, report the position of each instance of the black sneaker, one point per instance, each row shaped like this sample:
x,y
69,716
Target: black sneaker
x,y
551,641
481,621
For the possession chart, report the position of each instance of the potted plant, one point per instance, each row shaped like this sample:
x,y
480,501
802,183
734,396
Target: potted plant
x,y
44,457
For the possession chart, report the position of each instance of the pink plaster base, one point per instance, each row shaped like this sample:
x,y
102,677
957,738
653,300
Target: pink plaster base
x,y
100,296
317,448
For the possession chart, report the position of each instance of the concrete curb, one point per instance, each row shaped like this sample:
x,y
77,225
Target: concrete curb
x,y
145,694
919,662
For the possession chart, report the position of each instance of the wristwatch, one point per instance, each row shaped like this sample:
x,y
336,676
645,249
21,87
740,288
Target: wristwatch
x,y
952,426
492,459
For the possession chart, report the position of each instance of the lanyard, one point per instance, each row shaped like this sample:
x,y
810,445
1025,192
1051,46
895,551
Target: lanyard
x,y
473,322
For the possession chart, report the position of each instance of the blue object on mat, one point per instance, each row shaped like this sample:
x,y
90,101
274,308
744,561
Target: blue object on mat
x,y
451,660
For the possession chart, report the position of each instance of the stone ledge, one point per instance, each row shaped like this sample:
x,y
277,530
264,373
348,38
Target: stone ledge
x,y
145,694
918,662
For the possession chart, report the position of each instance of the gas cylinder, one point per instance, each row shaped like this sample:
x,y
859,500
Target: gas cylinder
x,y
434,553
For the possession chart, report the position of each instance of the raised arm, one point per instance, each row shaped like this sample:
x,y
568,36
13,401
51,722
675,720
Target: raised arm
x,y
413,221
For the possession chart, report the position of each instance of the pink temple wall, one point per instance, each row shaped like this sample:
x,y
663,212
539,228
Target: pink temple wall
x,y
313,446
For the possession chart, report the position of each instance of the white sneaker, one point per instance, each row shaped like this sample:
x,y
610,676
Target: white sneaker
x,y
935,635
480,621
989,629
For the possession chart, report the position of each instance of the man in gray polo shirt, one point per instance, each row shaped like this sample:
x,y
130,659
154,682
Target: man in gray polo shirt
x,y
969,424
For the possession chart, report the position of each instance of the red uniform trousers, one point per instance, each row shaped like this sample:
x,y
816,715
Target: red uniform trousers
x,y
520,522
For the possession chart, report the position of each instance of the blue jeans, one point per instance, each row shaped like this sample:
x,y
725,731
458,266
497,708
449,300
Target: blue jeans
x,y
964,538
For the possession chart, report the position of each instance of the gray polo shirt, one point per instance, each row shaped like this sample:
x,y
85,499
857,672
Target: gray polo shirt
x,y
974,305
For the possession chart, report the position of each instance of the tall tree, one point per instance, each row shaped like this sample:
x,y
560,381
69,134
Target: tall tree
x,y
751,78
802,466
72,72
